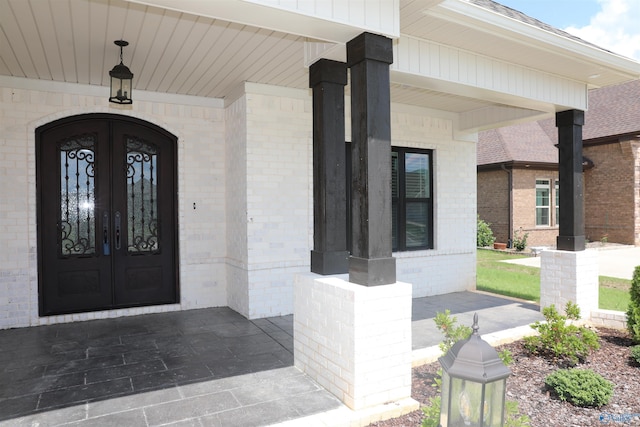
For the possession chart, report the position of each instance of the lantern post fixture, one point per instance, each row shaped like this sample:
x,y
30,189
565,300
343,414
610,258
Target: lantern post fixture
x,y
473,384
121,78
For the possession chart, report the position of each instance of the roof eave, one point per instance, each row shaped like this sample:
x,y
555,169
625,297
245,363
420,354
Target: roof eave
x,y
615,68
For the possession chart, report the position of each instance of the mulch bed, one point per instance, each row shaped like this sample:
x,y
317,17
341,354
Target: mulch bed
x,y
526,386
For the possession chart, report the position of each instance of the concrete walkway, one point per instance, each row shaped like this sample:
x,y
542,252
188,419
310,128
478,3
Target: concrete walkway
x,y
613,261
208,367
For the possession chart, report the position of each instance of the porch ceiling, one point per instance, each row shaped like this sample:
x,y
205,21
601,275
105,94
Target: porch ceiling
x,y
181,53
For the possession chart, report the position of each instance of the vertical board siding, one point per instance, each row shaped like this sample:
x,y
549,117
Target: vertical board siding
x,y
437,61
376,15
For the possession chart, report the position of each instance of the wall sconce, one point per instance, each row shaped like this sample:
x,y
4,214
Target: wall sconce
x,y
473,384
121,78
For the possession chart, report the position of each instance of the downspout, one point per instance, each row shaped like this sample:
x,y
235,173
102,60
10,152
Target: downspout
x,y
510,220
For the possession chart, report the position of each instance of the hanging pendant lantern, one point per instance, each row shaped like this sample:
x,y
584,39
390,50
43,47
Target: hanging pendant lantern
x,y
121,79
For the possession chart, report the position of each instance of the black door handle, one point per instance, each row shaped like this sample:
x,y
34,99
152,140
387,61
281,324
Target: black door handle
x,y
117,221
106,247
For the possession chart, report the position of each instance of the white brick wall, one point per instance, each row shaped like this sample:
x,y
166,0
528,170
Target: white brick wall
x,y
236,206
450,266
279,135
570,276
247,166
354,340
25,105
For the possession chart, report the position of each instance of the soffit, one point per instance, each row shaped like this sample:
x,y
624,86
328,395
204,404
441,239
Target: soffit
x,y
493,30
180,53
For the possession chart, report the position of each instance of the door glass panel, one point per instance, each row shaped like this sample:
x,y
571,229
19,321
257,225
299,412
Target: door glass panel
x,y
142,196
77,196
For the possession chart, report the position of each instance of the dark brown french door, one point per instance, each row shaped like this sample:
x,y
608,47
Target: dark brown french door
x,y
107,221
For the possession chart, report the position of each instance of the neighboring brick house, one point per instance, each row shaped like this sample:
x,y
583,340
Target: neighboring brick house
x,y
524,158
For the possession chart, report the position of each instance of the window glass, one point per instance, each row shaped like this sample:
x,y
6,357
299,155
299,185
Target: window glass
x,y
416,175
557,190
394,174
543,201
416,225
394,225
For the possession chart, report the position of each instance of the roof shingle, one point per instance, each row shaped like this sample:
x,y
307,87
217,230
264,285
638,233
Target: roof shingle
x,y
613,111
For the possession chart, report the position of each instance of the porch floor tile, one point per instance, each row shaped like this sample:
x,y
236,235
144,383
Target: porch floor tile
x,y
208,367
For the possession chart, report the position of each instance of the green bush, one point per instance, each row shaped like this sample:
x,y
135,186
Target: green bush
x,y
562,340
484,235
580,387
520,240
635,353
513,417
452,332
633,312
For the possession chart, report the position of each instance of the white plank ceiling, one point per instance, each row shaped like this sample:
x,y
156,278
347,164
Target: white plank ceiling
x,y
178,53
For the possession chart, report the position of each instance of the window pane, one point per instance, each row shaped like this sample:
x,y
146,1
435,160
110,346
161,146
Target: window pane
x,y
557,220
394,225
543,201
542,216
394,174
416,175
416,225
542,197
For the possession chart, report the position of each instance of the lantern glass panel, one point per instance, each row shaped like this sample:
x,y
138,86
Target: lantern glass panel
x,y
465,401
445,400
126,88
494,396
115,87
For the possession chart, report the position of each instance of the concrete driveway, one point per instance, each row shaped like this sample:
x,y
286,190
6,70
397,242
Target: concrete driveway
x,y
613,261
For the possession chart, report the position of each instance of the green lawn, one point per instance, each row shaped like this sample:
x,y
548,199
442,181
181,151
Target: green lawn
x,y
524,282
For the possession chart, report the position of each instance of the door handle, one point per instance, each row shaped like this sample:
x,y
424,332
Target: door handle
x,y
106,247
117,225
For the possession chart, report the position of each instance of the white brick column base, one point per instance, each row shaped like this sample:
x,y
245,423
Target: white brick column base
x,y
353,340
570,276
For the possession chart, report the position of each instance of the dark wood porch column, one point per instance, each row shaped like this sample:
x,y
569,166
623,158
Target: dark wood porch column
x,y
371,262
329,255
571,227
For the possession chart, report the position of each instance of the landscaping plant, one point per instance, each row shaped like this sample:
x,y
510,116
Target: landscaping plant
x,y
560,339
635,353
484,235
452,332
633,312
580,387
520,240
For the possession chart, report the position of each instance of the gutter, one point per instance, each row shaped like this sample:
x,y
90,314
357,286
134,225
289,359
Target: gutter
x,y
510,226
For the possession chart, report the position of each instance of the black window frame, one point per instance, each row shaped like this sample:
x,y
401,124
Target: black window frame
x,y
399,204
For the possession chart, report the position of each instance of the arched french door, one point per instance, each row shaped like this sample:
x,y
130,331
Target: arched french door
x,y
107,220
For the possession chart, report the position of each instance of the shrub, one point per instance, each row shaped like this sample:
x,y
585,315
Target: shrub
x,y
452,332
512,416
520,240
635,353
580,387
484,235
633,311
560,339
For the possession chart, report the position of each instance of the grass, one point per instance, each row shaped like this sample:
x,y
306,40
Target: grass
x,y
524,282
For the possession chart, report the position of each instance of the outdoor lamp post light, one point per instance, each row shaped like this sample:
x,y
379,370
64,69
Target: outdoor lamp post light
x,y
473,384
121,78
